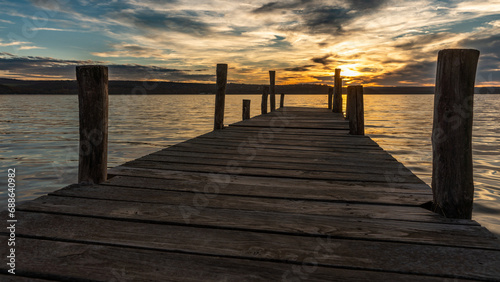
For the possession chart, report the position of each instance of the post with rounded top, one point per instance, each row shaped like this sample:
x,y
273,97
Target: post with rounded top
x,y
272,88
220,96
282,100
246,109
356,110
263,104
93,112
337,97
452,177
330,97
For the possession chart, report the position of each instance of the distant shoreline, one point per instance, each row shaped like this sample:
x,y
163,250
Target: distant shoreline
x,y
69,87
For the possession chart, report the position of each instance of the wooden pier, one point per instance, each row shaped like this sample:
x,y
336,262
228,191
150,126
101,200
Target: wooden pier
x,y
285,196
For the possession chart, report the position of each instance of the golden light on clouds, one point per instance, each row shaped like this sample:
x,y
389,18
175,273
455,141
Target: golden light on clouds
x,y
377,43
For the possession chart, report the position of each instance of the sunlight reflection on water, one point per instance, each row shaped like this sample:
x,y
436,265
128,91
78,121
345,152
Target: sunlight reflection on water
x,y
39,135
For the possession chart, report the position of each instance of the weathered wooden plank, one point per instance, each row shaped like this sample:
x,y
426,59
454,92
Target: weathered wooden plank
x,y
388,166
320,186
237,168
252,150
330,141
17,278
213,198
296,131
332,252
297,224
299,145
289,146
244,163
83,262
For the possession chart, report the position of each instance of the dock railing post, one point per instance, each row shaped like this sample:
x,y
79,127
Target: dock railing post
x,y
93,113
220,96
452,176
355,110
263,104
272,88
282,100
337,97
246,109
330,97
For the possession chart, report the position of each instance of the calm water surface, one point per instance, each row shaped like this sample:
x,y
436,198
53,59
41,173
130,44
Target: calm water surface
x,y
39,136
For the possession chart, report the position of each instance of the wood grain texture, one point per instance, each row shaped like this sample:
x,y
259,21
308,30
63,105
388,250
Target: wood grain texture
x,y
220,96
337,97
263,104
246,109
330,97
93,113
452,179
272,90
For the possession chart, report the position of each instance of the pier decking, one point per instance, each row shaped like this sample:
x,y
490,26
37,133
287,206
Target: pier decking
x,y
288,196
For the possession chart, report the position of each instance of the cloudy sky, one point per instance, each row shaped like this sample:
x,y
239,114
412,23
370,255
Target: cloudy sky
x,y
375,43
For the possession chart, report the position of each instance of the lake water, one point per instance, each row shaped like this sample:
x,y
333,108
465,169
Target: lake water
x,y
39,136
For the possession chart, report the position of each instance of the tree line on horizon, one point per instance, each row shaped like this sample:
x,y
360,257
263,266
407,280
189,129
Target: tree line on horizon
x,y
12,86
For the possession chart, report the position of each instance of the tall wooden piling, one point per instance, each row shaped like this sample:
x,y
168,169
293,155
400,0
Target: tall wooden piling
x,y
93,112
330,97
282,100
272,88
263,104
355,110
220,96
452,177
246,109
337,97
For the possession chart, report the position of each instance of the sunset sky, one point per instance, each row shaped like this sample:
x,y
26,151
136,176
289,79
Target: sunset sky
x,y
375,43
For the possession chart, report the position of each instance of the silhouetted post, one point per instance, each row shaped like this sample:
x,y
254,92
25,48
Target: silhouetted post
x,y
272,88
350,102
93,112
282,100
330,97
337,97
220,96
356,110
452,177
246,109
263,105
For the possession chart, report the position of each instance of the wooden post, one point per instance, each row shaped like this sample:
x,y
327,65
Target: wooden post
x,y
220,96
93,112
282,100
246,109
452,177
330,97
350,102
337,98
356,110
272,88
263,105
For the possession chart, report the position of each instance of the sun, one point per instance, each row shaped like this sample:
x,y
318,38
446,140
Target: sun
x,y
346,71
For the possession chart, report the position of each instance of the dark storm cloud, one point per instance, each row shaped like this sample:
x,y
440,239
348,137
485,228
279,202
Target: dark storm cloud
x,y
151,20
283,5
322,60
40,67
413,73
319,17
299,69
489,59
